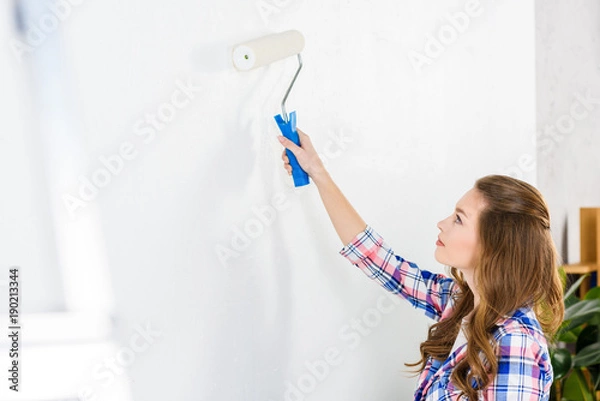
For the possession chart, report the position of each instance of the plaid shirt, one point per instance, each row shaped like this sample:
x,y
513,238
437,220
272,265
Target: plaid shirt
x,y
524,369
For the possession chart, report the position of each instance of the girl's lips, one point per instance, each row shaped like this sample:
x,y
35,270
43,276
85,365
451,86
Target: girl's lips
x,y
439,243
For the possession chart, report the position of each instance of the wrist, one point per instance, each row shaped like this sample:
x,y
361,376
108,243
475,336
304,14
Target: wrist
x,y
320,176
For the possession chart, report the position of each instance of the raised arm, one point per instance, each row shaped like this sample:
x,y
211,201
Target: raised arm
x,y
365,248
346,221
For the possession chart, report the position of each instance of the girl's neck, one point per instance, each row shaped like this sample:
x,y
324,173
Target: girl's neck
x,y
468,276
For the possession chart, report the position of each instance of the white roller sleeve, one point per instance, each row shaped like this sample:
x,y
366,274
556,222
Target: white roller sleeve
x,y
267,49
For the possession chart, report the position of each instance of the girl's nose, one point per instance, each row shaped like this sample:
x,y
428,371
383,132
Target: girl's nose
x,y
441,224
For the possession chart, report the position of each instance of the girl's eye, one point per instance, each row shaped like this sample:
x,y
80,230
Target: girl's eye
x,y
458,220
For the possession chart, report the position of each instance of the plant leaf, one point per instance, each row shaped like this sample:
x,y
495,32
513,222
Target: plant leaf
x,y
594,293
568,336
590,355
579,313
587,336
575,286
572,299
561,362
594,375
576,388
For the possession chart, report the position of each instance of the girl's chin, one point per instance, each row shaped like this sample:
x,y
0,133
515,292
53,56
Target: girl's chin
x,y
439,258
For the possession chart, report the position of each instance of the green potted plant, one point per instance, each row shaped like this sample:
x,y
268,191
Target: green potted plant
x,y
575,354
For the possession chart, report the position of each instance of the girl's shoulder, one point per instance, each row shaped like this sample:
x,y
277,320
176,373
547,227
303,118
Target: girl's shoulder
x,y
522,321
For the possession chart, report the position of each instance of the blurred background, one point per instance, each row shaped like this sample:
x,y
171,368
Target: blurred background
x,y
164,252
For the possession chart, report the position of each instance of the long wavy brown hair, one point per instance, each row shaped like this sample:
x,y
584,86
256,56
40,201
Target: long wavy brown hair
x,y
517,266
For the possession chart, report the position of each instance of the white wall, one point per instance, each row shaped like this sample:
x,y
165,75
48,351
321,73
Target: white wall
x,y
416,141
26,235
567,70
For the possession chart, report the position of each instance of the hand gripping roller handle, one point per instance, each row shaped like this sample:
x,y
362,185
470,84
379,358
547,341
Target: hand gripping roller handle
x,y
263,51
288,129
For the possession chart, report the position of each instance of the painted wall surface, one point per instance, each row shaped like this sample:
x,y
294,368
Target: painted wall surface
x,y
223,281
568,114
26,235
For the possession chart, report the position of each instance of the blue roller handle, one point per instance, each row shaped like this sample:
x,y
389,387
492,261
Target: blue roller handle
x,y
289,131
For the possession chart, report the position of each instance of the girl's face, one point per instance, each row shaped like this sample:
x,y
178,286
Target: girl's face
x,y
457,244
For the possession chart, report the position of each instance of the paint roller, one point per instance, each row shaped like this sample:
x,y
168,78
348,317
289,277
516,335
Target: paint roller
x,y
266,50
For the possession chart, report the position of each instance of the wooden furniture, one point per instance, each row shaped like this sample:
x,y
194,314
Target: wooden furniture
x,y
589,237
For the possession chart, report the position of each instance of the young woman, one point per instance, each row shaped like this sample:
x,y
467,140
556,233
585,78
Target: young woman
x,y
504,298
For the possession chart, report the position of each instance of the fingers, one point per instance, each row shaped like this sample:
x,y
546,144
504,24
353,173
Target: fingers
x,y
303,137
295,149
289,145
286,162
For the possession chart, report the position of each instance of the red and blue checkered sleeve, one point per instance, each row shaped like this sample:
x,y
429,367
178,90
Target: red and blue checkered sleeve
x,y
423,289
524,369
